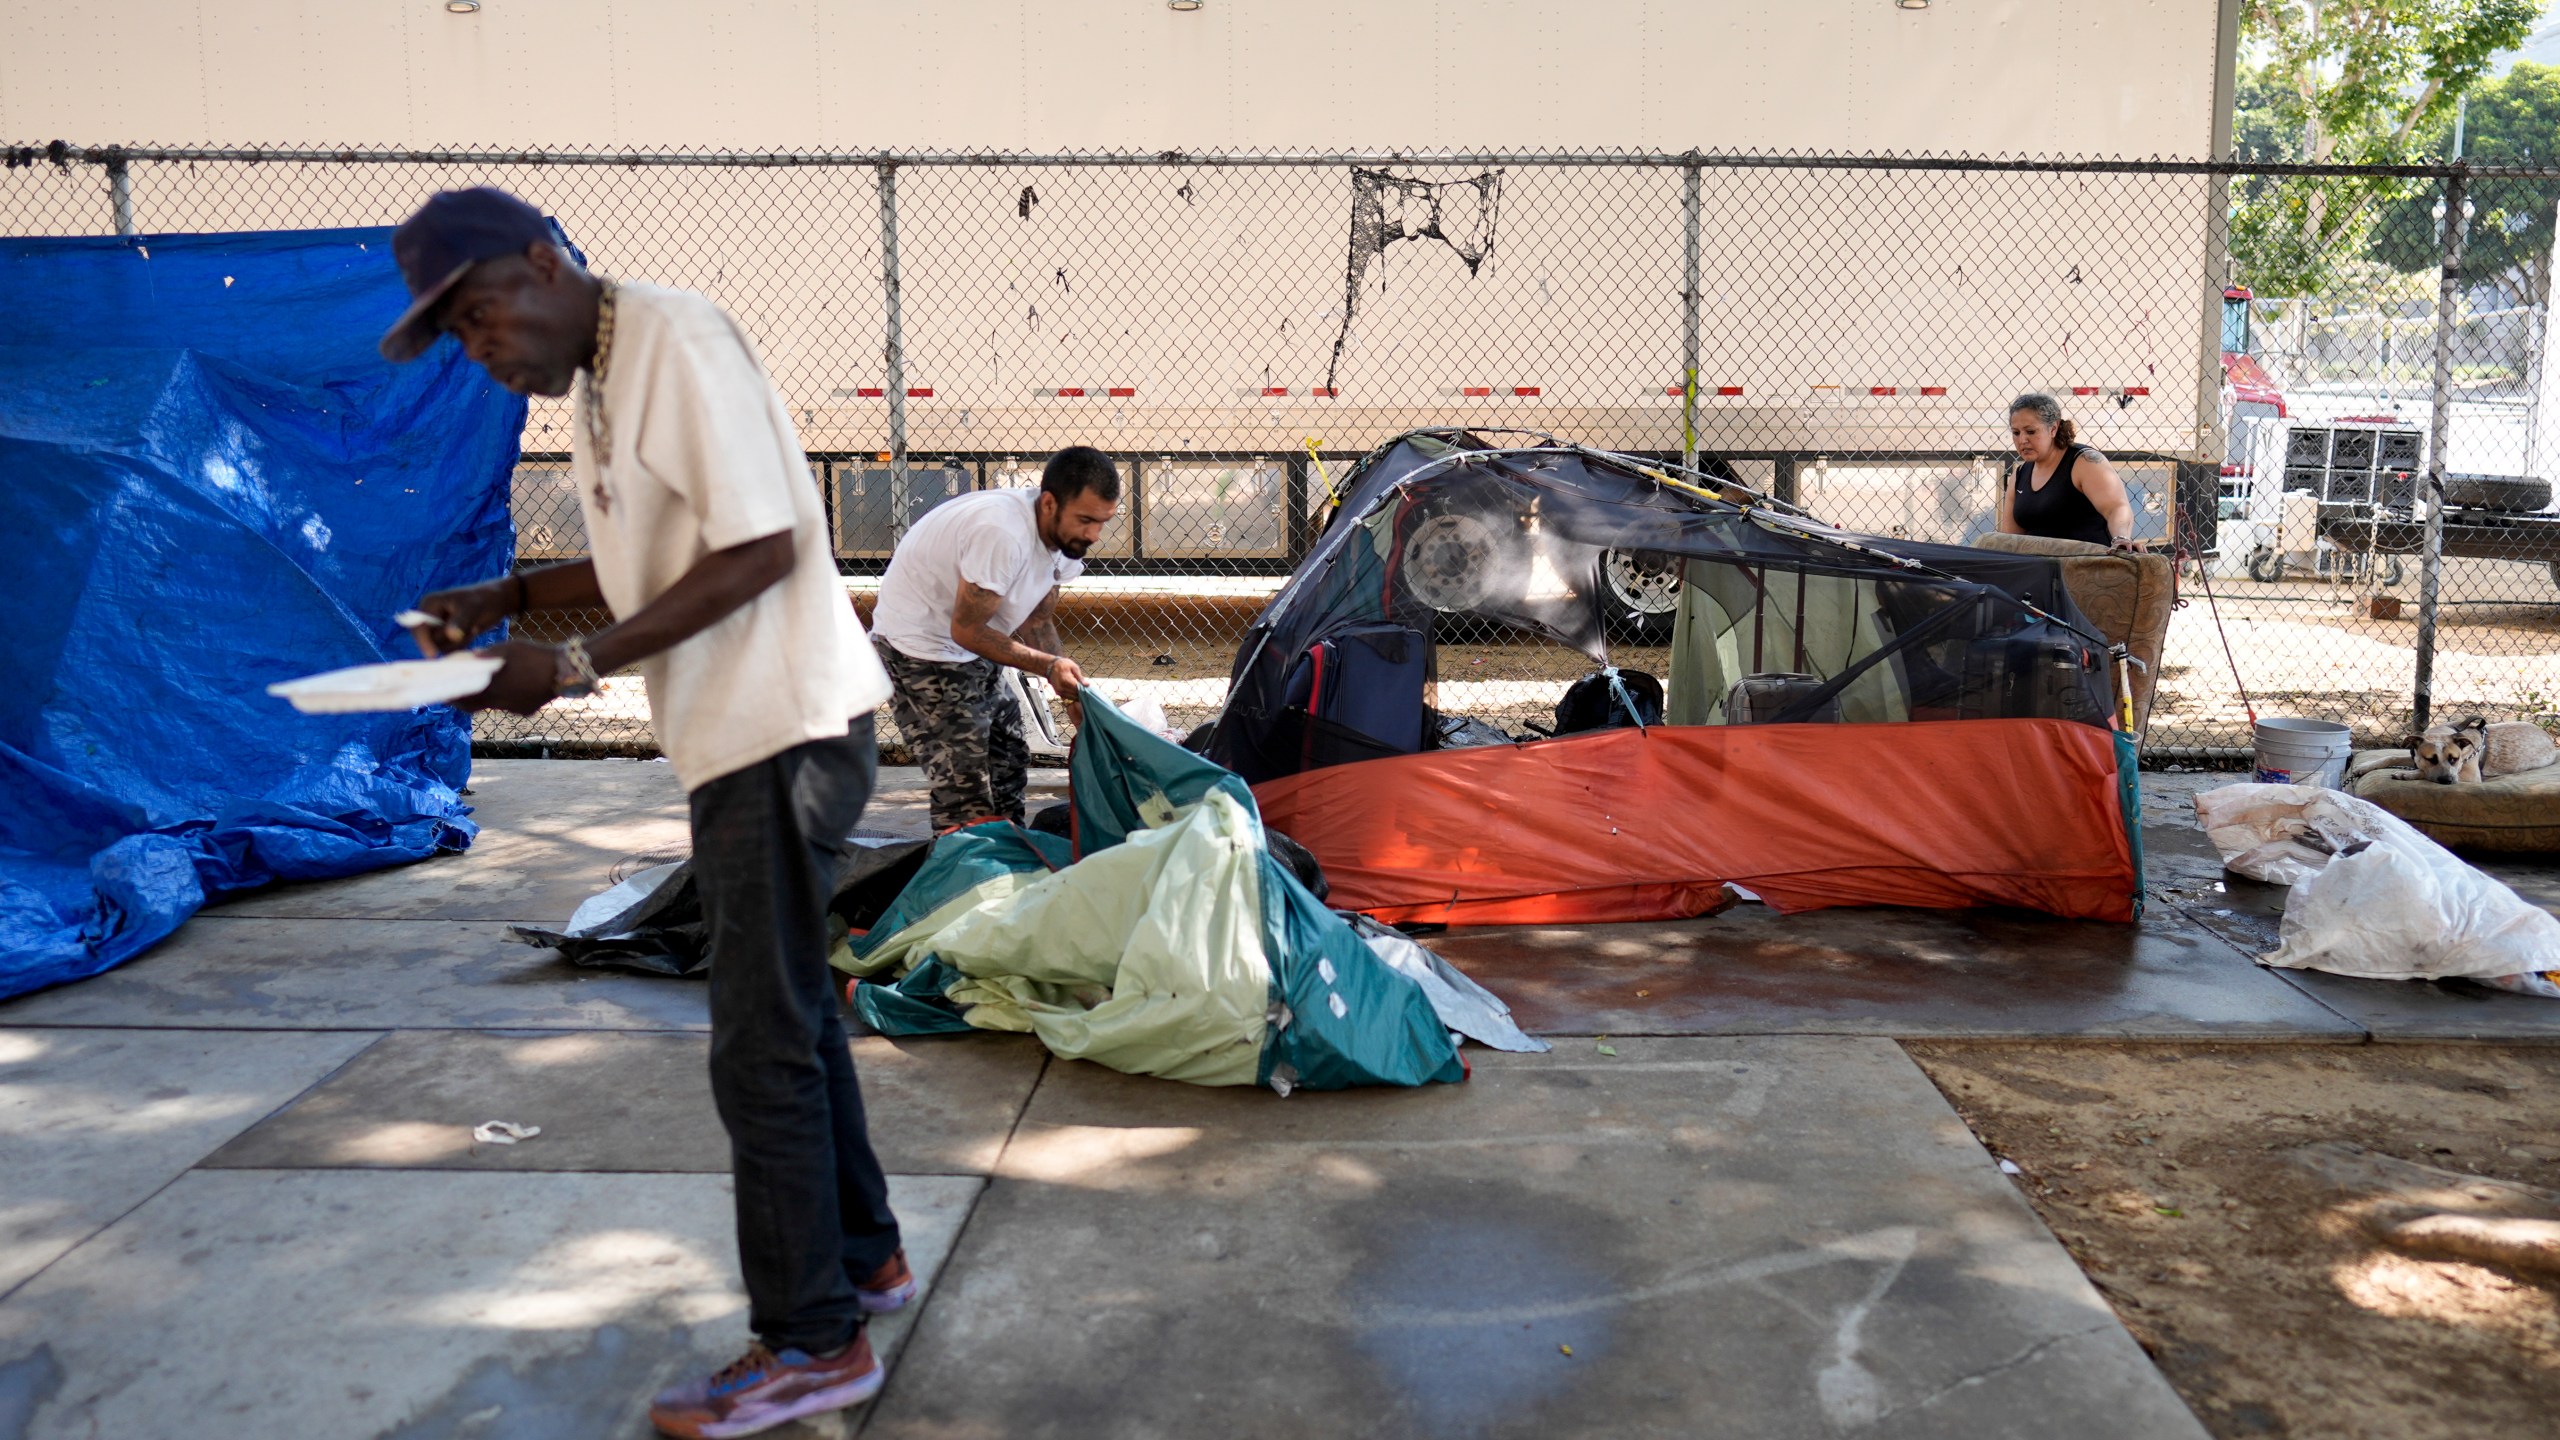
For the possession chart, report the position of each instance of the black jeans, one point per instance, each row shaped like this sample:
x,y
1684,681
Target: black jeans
x,y
813,1207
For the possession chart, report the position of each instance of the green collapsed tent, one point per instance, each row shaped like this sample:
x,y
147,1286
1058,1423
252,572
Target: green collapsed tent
x,y
1163,939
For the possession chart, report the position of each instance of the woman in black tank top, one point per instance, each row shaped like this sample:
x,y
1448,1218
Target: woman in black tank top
x,y
2061,488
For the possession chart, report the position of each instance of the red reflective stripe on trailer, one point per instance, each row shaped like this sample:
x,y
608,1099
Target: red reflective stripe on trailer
x,y
1121,392
1525,391
919,392
1476,390
1728,389
2137,389
2084,389
1323,392
1675,391
1933,389
870,392
1275,389
1071,393
1881,390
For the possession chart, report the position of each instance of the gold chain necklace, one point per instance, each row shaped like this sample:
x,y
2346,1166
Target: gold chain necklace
x,y
599,427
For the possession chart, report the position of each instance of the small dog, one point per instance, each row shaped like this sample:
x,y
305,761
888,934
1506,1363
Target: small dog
x,y
2475,750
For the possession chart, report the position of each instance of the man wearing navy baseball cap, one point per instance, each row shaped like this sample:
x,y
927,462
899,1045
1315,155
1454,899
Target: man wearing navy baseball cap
x,y
709,546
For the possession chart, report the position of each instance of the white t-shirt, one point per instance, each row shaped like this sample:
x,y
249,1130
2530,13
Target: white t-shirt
x,y
702,457
991,539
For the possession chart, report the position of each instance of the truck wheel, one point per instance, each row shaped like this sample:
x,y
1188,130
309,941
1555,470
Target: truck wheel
x,y
1453,560
2512,494
2266,566
1639,595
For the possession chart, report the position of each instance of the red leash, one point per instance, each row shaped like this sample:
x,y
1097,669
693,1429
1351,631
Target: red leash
x,y
2204,576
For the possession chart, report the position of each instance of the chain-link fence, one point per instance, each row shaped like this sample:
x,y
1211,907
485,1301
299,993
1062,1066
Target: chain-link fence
x,y
1844,333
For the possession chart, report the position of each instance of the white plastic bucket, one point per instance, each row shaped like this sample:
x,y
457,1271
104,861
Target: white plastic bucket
x,y
2302,752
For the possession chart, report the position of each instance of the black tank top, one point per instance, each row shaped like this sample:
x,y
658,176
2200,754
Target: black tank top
x,y
2058,510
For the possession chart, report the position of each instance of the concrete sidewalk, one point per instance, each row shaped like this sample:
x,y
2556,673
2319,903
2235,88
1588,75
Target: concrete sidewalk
x,y
243,1198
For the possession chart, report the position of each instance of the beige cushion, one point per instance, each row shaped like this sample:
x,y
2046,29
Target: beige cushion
x,y
2126,596
2511,812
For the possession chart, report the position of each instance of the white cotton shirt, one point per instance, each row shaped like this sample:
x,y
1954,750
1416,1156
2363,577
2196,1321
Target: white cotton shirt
x,y
703,457
990,539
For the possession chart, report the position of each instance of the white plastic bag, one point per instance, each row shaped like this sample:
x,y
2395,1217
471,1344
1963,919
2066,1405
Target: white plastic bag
x,y
2372,896
1150,717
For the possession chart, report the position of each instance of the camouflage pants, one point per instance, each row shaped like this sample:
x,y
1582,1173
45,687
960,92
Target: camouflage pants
x,y
966,730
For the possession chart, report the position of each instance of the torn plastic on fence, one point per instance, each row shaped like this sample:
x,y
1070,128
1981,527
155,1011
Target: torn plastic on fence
x,y
2373,897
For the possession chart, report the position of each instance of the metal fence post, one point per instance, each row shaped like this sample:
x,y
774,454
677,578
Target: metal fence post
x,y
2439,426
894,347
1689,313
120,192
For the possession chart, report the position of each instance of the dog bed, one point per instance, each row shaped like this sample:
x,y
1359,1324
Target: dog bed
x,y
2519,812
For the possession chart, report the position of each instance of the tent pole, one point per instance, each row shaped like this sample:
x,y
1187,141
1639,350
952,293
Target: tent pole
x,y
1759,611
2439,427
1799,622
893,350
1689,314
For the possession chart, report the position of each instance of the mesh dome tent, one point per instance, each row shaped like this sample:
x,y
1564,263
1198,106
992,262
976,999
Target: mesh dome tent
x,y
1850,719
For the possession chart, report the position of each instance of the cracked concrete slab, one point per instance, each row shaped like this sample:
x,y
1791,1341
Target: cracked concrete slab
x,y
625,1102
1759,1237
2436,1011
262,974
93,1122
1938,974
420,1306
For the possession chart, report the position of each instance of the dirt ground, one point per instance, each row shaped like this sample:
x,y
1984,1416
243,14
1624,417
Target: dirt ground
x,y
2302,648
2168,1172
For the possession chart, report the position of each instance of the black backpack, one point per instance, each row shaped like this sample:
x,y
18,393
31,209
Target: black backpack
x,y
1609,698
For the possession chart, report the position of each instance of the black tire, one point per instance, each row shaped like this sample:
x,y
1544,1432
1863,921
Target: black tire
x,y
2266,567
1451,553
2511,494
1639,595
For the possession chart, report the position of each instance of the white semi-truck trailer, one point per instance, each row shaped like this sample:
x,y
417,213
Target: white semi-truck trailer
x,y
1439,250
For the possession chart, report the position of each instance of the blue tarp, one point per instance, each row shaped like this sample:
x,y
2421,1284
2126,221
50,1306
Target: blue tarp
x,y
209,482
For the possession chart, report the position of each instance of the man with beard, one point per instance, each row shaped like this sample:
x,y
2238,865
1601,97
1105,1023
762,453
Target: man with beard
x,y
974,588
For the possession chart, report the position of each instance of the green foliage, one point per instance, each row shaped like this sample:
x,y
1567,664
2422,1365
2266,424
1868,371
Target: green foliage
x,y
2347,82
2514,118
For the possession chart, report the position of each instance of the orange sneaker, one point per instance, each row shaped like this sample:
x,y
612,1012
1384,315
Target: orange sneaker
x,y
889,1288
762,1389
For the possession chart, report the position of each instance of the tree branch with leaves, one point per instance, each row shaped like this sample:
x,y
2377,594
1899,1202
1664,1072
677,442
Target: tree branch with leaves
x,y
2355,82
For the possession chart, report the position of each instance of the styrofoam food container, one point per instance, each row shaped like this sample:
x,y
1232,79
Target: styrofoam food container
x,y
392,685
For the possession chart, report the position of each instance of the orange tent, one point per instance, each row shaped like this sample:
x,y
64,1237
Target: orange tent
x,y
1628,824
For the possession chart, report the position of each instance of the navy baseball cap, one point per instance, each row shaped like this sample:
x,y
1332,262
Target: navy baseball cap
x,y
436,247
